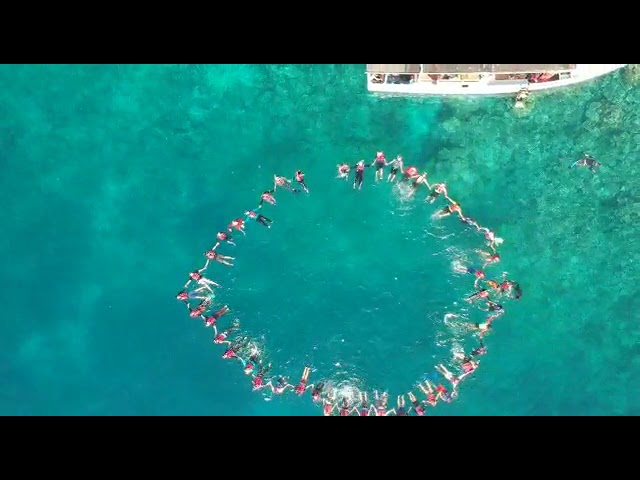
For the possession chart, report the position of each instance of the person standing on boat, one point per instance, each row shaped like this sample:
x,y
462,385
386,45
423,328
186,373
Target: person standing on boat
x,y
380,162
300,180
360,166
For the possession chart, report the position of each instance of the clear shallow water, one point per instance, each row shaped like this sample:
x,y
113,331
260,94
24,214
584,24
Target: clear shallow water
x,y
116,178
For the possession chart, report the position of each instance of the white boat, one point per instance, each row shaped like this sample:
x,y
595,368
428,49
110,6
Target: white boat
x,y
478,79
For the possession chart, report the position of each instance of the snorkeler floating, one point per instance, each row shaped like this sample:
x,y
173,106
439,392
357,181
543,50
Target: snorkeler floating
x,y
200,302
586,161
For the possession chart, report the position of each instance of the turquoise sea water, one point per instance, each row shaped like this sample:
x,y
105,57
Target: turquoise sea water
x,y
115,179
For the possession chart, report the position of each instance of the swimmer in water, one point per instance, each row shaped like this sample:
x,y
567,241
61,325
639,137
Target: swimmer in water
x,y
380,162
437,190
238,224
258,380
282,183
254,359
469,221
427,389
213,255
221,337
232,351
327,408
185,296
224,237
481,350
345,410
302,386
489,258
484,293
267,197
360,166
448,375
381,404
396,166
410,173
364,409
521,98
420,180
448,210
211,320
317,392
416,405
200,309
479,274
490,236
261,219
281,386
400,410
343,171
587,161
300,179
196,276
482,328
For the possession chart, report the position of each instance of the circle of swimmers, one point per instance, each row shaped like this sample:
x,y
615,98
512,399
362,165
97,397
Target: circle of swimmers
x,y
198,295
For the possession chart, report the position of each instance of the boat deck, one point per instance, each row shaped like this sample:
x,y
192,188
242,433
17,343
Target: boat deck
x,y
478,79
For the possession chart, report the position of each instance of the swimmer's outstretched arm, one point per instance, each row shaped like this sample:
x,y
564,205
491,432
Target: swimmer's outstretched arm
x,y
390,412
354,410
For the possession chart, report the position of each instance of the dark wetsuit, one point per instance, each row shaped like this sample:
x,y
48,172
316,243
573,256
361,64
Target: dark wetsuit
x,y
359,174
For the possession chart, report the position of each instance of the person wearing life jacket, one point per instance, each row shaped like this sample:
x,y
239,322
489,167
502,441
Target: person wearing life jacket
x,y
234,349
380,162
427,389
416,405
185,296
381,404
344,409
357,181
448,210
483,293
224,237
281,386
211,320
196,276
221,337
453,379
400,410
317,392
267,197
213,255
261,219
258,379
327,408
238,224
420,179
489,258
437,190
396,166
460,268
282,182
300,179
410,173
364,409
200,309
302,385
343,171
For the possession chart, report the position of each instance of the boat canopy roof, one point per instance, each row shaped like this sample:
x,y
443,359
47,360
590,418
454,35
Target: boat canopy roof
x,y
467,68
393,68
